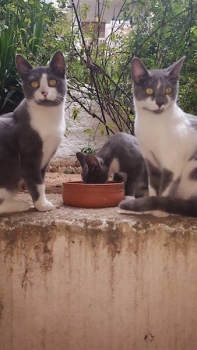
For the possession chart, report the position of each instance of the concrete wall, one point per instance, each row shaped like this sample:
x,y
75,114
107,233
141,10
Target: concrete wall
x,y
77,279
75,138
111,11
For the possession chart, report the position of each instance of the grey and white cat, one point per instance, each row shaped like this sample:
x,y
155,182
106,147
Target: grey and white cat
x,y
31,134
120,156
167,137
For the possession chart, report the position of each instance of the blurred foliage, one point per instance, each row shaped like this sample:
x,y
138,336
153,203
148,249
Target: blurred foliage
x,y
164,31
158,32
34,29
88,150
98,71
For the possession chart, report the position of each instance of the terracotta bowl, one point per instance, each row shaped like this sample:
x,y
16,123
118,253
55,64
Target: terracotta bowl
x,y
78,194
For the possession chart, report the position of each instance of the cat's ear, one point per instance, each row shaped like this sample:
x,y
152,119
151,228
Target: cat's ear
x,y
81,158
175,68
138,70
23,66
92,162
57,64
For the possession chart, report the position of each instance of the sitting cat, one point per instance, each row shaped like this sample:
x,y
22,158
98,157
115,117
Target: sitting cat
x,y
168,141
30,135
120,156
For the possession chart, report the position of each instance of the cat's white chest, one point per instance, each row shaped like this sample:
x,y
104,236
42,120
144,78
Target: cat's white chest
x,y
164,137
49,123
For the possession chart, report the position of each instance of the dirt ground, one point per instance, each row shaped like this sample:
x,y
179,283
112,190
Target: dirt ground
x,y
54,180
55,177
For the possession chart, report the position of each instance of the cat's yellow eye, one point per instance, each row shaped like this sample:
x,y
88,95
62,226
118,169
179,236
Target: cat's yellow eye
x,y
149,91
52,82
34,84
168,90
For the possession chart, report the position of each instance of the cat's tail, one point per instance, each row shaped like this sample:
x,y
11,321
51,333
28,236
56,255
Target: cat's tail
x,y
171,205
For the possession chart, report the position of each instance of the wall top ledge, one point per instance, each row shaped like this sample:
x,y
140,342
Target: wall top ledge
x,y
107,219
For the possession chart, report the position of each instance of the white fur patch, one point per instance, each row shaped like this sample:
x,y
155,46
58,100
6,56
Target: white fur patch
x,y
172,141
14,206
49,123
149,105
6,195
157,213
167,136
45,90
10,205
151,191
42,204
188,187
123,175
159,84
114,167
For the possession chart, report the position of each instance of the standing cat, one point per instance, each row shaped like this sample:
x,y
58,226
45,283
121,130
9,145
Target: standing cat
x,y
120,156
30,135
167,137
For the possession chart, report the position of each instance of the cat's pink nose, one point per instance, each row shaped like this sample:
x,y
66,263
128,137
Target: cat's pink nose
x,y
44,93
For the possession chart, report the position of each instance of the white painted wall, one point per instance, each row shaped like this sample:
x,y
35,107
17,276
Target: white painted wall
x,y
112,11
75,138
75,279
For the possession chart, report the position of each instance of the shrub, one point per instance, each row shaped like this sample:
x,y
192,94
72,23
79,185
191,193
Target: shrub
x,y
160,32
32,28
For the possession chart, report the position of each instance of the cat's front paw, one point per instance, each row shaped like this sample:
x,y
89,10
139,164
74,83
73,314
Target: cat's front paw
x,y
24,206
19,205
43,206
160,214
14,206
131,205
128,197
128,203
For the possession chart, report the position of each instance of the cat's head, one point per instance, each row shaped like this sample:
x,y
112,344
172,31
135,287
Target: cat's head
x,y
45,86
155,90
93,169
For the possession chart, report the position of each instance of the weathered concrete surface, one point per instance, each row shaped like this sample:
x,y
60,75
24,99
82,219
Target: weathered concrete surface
x,y
77,279
76,138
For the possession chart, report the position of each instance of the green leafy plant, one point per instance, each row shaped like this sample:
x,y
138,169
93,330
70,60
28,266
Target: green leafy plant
x,y
9,84
33,28
158,32
99,78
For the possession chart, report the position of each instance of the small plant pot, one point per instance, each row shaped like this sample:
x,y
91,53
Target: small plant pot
x,y
78,194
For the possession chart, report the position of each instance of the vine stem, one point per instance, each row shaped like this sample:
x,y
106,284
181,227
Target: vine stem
x,y
91,66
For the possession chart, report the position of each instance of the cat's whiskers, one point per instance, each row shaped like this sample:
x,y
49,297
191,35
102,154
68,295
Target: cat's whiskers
x,y
59,98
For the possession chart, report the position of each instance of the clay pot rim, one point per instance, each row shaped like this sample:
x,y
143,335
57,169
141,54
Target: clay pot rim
x,y
81,184
78,194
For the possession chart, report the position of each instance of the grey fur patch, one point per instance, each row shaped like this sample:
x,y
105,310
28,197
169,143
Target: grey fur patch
x,y
122,151
166,179
174,187
194,156
193,174
154,176
20,145
158,80
155,159
55,70
171,205
192,120
159,180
